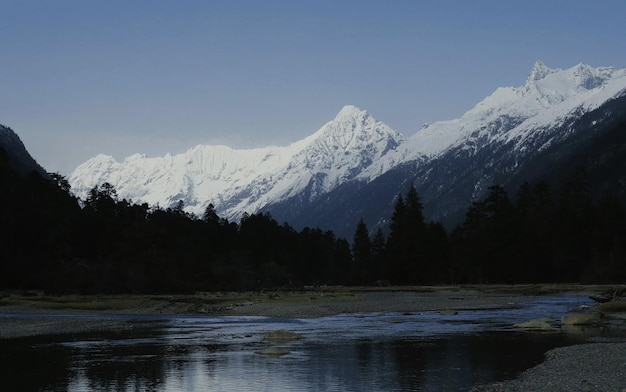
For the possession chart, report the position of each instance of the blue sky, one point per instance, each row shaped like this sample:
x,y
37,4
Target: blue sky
x,y
121,77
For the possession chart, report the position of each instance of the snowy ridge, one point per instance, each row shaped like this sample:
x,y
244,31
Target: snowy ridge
x,y
544,101
353,146
548,96
238,181
207,170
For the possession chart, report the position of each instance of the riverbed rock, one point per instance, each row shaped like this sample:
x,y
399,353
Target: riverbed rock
x,y
544,324
615,294
581,318
613,313
583,331
601,298
612,307
282,335
273,352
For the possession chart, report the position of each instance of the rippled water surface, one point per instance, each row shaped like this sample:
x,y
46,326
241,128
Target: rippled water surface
x,y
424,351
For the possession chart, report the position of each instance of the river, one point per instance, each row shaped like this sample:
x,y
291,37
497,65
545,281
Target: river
x,y
425,351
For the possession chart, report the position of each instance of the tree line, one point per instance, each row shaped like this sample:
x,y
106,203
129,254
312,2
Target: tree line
x,y
51,240
537,236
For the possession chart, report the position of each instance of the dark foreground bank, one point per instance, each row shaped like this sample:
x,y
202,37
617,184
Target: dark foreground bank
x,y
583,367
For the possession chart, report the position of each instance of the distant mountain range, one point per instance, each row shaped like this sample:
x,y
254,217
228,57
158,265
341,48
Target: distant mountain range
x,y
239,181
354,166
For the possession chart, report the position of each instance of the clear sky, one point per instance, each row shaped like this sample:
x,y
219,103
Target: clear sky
x,y
82,77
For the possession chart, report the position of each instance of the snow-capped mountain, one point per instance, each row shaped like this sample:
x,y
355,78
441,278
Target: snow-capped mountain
x,y
450,162
238,181
513,135
547,98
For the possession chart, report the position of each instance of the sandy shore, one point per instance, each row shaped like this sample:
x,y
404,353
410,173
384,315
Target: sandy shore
x,y
586,367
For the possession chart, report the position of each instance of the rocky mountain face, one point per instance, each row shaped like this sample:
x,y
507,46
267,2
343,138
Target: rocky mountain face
x,y
354,166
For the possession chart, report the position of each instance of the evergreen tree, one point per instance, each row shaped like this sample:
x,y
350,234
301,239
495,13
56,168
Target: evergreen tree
x,y
608,241
210,216
436,255
179,209
470,243
378,254
501,233
487,238
362,253
414,216
61,182
574,228
533,246
395,263
341,261
397,226
102,200
405,247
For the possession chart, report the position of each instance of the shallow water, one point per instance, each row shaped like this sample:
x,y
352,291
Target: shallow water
x,y
423,351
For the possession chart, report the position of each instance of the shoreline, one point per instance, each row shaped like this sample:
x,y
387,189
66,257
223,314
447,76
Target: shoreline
x,y
297,303
35,315
303,303
582,367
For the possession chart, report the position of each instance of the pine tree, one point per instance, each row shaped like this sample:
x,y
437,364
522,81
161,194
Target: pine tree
x,y
574,219
395,252
414,216
378,255
501,233
362,253
406,239
533,246
210,216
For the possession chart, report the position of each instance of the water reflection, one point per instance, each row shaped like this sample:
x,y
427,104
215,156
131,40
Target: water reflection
x,y
454,363
374,352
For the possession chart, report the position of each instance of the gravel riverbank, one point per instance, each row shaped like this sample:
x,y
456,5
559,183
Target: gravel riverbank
x,y
28,316
580,368
16,326
327,303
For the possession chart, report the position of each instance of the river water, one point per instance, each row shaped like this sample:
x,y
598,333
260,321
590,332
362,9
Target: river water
x,y
424,351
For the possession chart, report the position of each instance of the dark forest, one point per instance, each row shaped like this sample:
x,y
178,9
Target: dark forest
x,y
50,240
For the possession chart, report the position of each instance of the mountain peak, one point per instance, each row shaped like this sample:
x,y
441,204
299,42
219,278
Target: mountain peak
x,y
349,111
588,77
539,71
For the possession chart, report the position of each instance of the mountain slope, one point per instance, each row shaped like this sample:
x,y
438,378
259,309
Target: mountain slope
x,y
504,140
545,101
354,165
238,181
447,185
597,145
20,160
